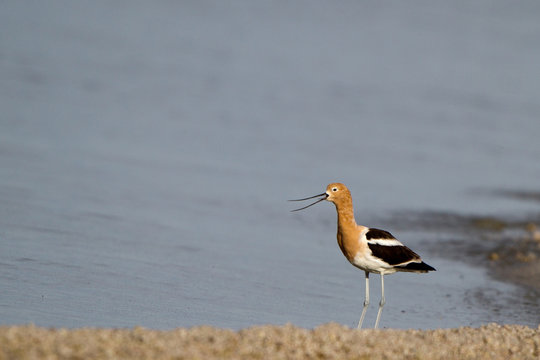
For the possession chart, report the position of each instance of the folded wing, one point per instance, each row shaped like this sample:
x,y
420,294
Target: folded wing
x,y
386,247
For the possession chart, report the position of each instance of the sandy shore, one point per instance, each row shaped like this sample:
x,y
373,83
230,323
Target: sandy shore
x,y
330,341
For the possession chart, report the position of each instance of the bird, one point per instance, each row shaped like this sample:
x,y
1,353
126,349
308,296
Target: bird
x,y
372,250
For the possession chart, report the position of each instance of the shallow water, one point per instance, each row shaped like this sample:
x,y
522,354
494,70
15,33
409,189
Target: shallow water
x,y
146,153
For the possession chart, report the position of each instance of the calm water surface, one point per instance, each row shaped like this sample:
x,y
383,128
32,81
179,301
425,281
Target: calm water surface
x,y
147,152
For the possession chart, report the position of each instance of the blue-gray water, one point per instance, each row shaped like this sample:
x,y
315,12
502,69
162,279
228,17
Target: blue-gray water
x,y
147,151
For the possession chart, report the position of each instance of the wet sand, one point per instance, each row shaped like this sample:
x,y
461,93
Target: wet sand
x,y
509,247
329,341
511,252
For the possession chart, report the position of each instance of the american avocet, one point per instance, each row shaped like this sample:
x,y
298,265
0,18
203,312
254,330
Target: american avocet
x,y
372,250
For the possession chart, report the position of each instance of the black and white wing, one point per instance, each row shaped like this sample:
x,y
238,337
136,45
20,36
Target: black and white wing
x,y
386,247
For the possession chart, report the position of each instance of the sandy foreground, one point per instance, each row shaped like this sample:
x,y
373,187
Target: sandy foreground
x,y
329,341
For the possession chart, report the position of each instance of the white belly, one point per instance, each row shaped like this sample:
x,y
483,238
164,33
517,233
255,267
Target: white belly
x,y
372,264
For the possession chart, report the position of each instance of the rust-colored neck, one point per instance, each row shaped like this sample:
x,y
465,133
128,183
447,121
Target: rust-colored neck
x,y
345,212
347,234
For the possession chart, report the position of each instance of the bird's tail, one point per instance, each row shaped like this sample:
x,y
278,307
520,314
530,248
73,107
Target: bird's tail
x,y
420,267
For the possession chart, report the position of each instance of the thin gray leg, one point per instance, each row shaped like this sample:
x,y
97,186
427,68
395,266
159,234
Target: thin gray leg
x,y
381,303
366,302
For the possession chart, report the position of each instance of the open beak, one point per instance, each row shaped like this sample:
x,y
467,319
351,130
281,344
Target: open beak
x,y
324,196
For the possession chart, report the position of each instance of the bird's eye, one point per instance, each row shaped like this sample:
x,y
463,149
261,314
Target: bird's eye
x,y
334,189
